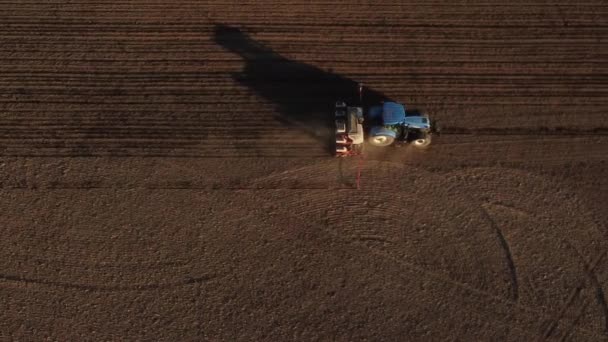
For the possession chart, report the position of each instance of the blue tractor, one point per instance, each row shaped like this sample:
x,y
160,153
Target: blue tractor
x,y
381,125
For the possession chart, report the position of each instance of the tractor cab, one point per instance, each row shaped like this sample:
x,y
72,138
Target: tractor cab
x,y
388,113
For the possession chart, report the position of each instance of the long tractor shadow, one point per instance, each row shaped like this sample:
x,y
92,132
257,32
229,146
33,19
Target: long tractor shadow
x,y
305,94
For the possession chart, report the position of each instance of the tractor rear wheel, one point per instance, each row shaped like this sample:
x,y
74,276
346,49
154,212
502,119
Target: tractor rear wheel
x,y
381,140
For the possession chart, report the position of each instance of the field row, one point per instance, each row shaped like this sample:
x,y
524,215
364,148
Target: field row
x,y
428,18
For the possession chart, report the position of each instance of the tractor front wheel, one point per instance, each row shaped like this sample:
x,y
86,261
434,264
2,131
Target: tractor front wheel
x,y
423,141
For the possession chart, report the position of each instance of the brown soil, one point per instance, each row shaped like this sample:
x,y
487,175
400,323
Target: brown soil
x,y
165,174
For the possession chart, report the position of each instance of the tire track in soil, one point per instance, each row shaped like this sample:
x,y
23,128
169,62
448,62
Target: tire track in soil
x,y
590,273
463,286
357,240
569,332
443,279
554,322
104,288
361,241
507,251
575,294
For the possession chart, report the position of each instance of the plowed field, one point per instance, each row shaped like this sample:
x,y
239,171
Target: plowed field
x,y
165,173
